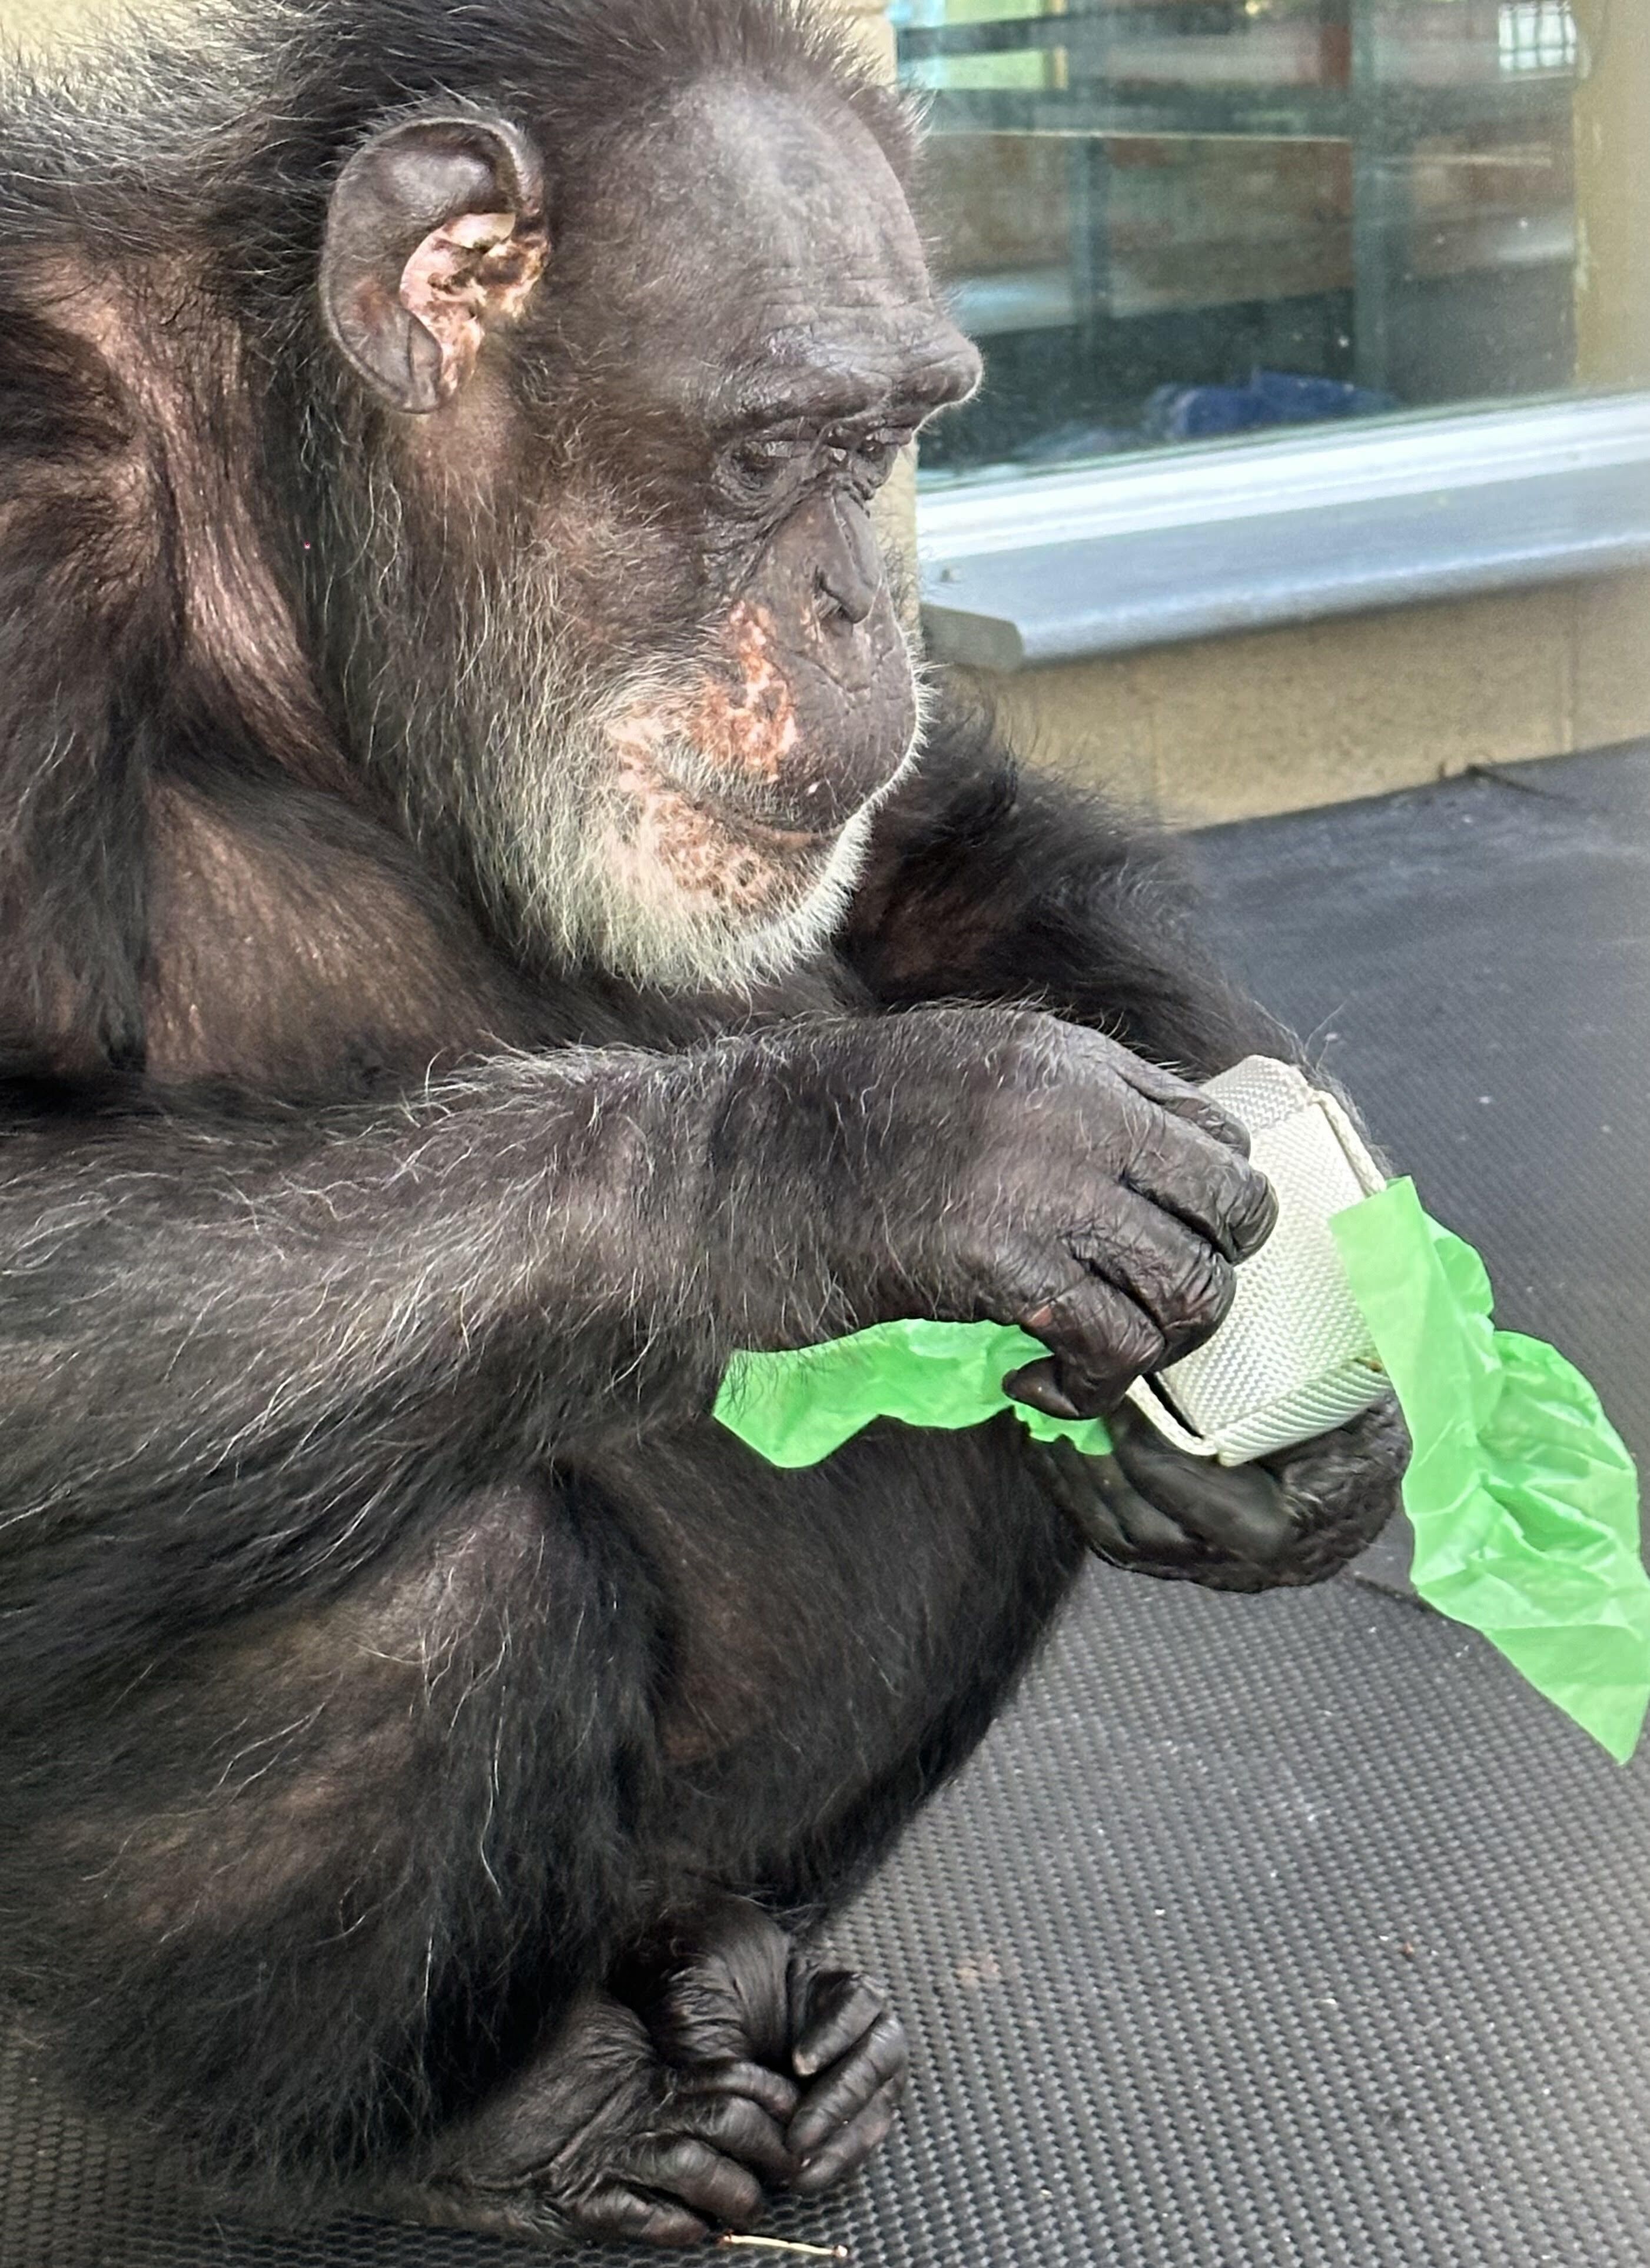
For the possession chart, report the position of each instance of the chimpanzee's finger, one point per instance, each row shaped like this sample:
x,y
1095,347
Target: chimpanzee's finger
x,y
614,2213
1115,1521
881,2057
1037,1384
1213,1190
740,2129
1239,1510
1171,1092
737,2075
852,2143
837,2008
1175,1276
709,2183
1101,1342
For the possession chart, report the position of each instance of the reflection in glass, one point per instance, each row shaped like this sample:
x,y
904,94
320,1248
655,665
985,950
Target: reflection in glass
x,y
1175,219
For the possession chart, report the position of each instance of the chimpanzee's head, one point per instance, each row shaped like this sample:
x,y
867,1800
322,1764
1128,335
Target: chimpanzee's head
x,y
651,357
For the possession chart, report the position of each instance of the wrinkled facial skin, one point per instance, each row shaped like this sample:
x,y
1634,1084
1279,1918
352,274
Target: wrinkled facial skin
x,y
745,296
659,382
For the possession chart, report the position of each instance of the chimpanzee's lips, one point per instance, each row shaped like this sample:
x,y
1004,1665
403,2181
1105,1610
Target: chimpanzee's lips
x,y
757,819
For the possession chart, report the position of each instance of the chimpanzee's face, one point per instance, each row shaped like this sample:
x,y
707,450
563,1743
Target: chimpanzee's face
x,y
707,364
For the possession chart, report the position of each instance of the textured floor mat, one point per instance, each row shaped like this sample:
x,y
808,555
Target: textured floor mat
x,y
1283,1931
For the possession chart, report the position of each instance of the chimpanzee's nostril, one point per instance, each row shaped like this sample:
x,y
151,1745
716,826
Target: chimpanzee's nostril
x,y
842,598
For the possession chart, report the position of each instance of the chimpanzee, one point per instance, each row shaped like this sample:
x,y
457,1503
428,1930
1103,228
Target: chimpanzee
x,y
487,931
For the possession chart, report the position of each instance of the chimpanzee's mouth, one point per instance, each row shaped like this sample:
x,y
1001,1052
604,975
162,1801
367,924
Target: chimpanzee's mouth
x,y
730,806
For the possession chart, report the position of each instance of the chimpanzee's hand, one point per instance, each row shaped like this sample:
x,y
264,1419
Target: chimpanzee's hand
x,y
1005,1166
734,2001
1288,1519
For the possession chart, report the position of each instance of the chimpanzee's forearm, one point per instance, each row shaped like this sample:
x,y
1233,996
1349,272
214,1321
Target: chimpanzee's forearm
x,y
241,1353
989,882
240,1356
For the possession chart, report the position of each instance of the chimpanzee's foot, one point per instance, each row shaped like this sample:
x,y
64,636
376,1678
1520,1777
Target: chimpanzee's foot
x,y
599,2138
744,2066
730,1995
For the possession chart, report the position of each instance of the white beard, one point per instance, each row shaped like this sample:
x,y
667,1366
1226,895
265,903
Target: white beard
x,y
597,873
533,773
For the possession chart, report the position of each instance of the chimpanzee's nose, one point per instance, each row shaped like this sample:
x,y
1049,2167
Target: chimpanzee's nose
x,y
845,597
849,574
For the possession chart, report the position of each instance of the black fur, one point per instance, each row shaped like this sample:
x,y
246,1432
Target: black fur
x,y
413,1711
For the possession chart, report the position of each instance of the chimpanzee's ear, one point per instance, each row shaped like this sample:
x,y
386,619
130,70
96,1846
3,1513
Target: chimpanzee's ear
x,y
436,230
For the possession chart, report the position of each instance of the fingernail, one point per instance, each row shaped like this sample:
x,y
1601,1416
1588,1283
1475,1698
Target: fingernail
x,y
1037,1387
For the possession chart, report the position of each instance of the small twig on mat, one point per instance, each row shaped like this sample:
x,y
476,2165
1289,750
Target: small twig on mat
x,y
779,2245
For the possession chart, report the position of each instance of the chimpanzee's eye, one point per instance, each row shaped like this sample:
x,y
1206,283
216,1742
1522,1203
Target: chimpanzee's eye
x,y
867,458
758,468
754,467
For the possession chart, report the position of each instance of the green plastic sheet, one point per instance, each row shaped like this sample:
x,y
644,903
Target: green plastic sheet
x,y
794,1409
1523,1500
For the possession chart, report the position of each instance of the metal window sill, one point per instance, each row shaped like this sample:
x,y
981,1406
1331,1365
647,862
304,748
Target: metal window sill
x,y
1159,572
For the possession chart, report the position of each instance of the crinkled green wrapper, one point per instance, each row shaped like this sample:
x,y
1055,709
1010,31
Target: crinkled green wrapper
x,y
795,1408
1523,1500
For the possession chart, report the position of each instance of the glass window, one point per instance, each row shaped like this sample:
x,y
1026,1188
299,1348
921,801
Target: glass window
x,y
1173,220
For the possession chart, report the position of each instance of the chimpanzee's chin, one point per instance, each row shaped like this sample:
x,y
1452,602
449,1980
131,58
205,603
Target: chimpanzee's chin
x,y
722,910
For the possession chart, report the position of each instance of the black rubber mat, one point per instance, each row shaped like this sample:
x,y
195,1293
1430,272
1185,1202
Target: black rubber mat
x,y
1287,1933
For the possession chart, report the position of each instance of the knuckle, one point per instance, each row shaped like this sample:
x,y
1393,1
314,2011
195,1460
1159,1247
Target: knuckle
x,y
889,2025
1252,1214
1170,1087
1203,1288
1146,1126
722,2119
864,2005
1134,1342
1162,1151
889,2047
1231,1133
1098,1056
703,2175
1119,1345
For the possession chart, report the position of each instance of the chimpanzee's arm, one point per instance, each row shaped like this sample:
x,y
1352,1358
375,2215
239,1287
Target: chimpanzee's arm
x,y
240,1354
991,882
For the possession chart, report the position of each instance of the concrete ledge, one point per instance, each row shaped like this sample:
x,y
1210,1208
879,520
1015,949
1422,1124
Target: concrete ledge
x,y
1323,712
1009,610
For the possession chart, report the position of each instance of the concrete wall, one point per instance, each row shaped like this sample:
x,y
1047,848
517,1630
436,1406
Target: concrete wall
x,y
871,21
1612,162
1281,719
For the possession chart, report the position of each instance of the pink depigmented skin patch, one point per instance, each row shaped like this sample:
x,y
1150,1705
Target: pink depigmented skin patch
x,y
479,268
742,723
671,844
748,725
